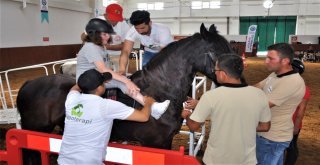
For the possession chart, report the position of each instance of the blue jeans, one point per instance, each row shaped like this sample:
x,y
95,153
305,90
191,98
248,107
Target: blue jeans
x,y
147,57
270,152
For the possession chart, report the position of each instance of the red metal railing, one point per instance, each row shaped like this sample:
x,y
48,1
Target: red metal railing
x,y
46,144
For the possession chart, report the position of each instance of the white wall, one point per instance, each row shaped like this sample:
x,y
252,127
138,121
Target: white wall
x,y
187,21
308,25
21,27
305,39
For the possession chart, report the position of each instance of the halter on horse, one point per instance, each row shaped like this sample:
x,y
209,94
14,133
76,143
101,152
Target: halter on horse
x,y
168,75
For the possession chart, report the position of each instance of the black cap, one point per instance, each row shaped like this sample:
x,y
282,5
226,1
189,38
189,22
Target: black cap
x,y
99,25
91,79
298,65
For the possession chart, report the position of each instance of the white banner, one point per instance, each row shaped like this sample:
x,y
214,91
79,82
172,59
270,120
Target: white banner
x,y
250,37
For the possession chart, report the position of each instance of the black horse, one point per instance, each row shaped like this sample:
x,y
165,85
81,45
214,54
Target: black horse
x,y
168,75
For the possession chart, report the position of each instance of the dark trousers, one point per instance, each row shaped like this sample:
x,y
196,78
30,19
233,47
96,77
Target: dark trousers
x,y
292,151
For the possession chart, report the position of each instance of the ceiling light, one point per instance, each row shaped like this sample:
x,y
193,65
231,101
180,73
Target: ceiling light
x,y
268,4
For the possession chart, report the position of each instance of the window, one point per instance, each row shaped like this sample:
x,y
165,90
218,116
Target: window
x,y
150,6
196,5
142,6
205,5
158,6
215,4
105,3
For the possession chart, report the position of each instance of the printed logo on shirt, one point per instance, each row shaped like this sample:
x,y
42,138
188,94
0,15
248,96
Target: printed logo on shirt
x,y
79,120
154,46
76,110
76,114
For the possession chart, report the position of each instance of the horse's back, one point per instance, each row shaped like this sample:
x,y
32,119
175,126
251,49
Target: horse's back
x,y
43,98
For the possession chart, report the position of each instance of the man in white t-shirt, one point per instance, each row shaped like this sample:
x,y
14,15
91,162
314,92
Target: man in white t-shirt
x,y
89,119
152,36
114,15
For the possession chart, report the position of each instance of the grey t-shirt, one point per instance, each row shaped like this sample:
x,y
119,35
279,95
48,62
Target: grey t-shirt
x,y
88,124
89,54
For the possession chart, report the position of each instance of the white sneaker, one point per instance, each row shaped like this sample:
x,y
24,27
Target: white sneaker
x,y
157,109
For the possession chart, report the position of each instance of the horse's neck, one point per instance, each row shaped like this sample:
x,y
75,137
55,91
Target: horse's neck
x,y
174,76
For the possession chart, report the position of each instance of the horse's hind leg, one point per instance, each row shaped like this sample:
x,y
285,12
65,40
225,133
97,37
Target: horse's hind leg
x,y
31,157
61,128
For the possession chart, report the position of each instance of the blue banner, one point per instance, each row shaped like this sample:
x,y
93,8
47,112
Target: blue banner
x,y
44,16
44,11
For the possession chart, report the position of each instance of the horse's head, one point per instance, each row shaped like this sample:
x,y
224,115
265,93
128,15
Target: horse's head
x,y
175,66
211,45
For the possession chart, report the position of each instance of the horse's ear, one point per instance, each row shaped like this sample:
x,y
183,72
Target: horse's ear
x,y
204,32
213,29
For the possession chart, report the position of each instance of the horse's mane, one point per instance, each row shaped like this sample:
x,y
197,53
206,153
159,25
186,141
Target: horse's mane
x,y
219,45
181,42
172,47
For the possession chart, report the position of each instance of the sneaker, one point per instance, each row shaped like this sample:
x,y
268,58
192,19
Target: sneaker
x,y
157,109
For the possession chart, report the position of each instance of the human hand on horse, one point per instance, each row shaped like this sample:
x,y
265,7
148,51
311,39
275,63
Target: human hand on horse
x,y
186,113
191,103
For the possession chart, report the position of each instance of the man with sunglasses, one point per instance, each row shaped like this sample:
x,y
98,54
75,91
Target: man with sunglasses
x,y
236,111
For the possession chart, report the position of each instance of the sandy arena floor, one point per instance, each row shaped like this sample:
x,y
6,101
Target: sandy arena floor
x,y
309,140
